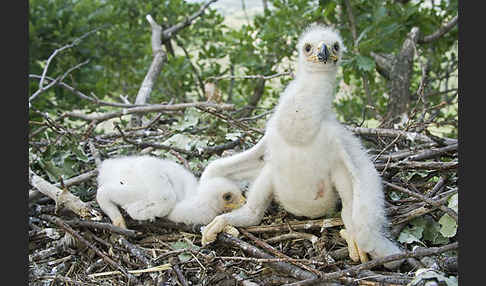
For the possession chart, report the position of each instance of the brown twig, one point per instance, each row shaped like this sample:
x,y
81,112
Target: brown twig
x,y
376,262
418,165
440,206
145,109
272,250
216,78
292,270
135,250
296,225
439,33
102,225
169,32
81,239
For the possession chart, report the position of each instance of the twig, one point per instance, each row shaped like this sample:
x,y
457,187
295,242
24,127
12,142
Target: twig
x,y
167,33
159,268
216,78
412,136
433,152
441,31
66,280
376,262
418,165
134,249
68,46
443,208
256,252
84,96
102,225
71,231
266,260
297,225
146,109
272,250
174,261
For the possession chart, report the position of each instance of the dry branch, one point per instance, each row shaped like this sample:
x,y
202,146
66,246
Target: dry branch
x,y
168,33
71,231
376,262
285,267
411,136
63,198
441,31
102,225
154,70
440,206
296,225
145,109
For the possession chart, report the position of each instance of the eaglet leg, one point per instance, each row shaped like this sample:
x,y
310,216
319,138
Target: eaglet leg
x,y
258,198
344,187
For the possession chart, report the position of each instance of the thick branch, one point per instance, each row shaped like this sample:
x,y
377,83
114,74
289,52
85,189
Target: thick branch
x,y
62,197
439,33
155,67
383,64
400,76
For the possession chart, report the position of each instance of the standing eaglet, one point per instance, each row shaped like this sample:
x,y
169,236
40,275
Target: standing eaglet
x,y
309,159
148,187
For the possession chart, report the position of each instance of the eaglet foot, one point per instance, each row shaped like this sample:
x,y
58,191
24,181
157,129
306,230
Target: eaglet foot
x,y
354,252
211,231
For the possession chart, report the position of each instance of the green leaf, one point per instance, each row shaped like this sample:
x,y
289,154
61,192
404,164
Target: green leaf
x,y
423,275
191,118
411,234
184,244
448,226
365,63
454,202
432,232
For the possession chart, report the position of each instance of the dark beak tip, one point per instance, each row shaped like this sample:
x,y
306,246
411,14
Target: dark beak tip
x,y
323,54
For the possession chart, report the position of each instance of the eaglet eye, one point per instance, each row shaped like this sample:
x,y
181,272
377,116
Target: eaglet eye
x,y
335,47
307,48
227,197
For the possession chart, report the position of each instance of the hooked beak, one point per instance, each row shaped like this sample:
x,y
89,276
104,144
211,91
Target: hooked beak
x,y
323,53
235,204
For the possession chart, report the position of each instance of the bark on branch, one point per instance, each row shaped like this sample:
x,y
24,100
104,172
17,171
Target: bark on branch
x,y
441,31
63,198
146,109
155,67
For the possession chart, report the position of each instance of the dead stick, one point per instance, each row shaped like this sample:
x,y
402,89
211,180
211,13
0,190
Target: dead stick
x,y
285,267
375,262
269,248
102,225
425,199
71,231
297,225
135,250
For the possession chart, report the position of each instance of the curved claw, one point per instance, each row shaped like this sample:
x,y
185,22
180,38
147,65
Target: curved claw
x,y
120,222
355,253
211,231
